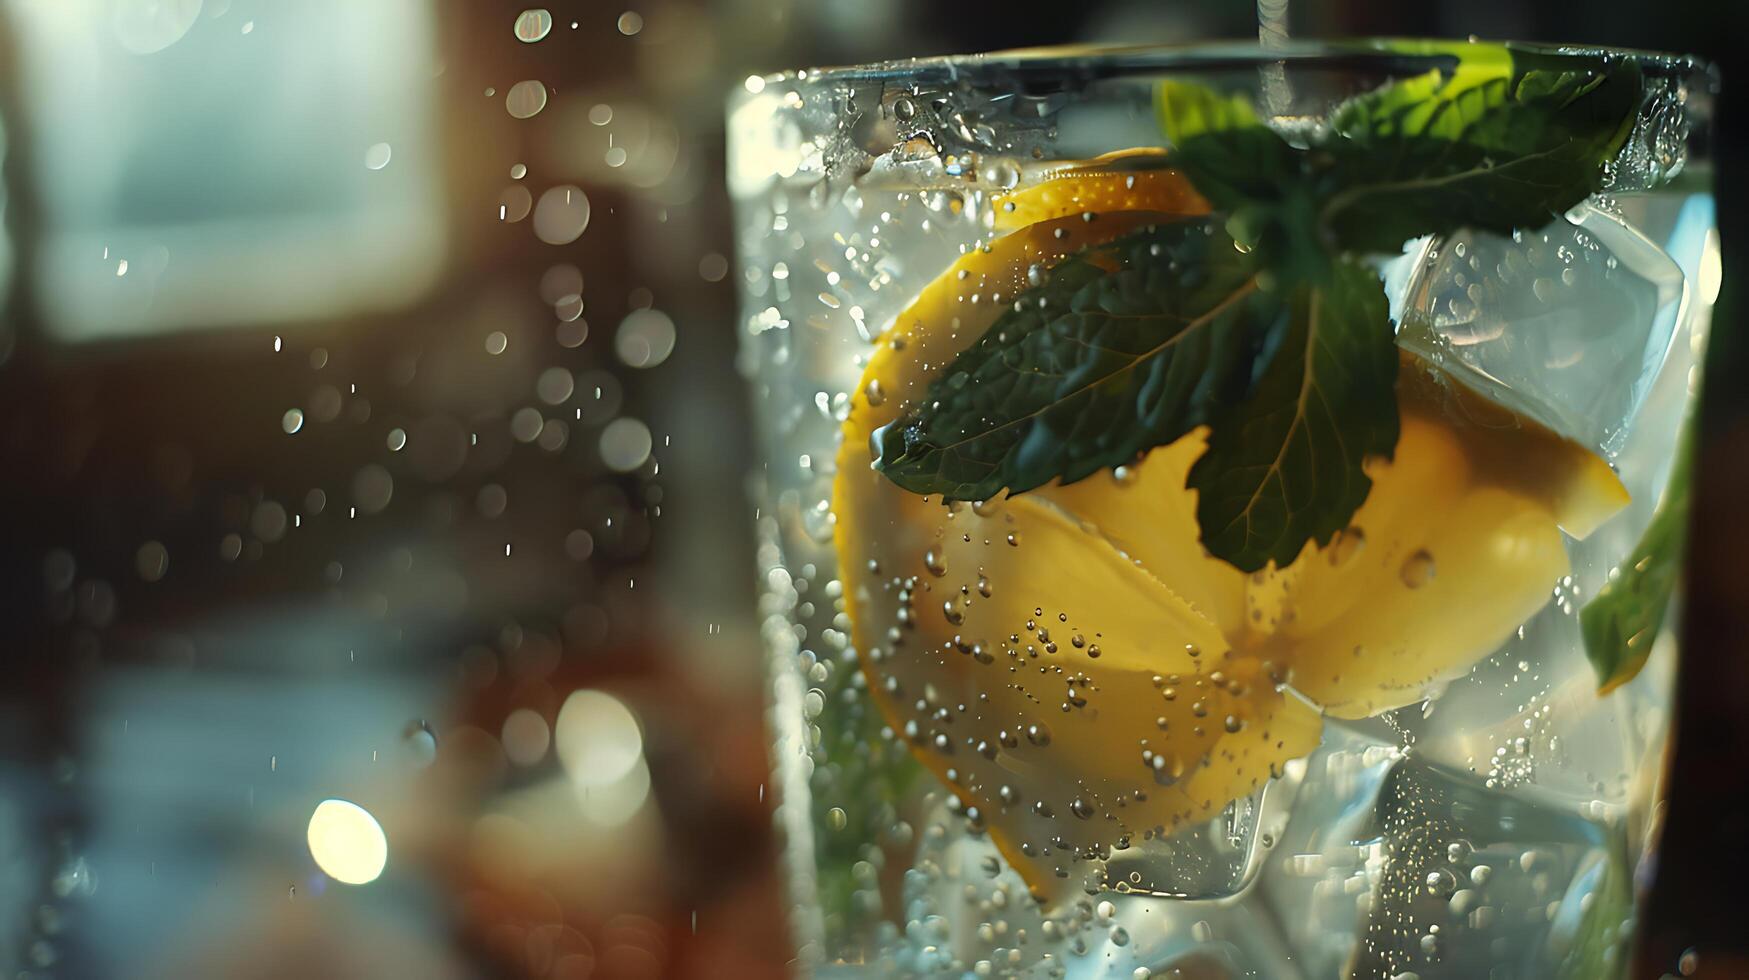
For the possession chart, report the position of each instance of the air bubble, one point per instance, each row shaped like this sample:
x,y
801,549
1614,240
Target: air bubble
x,y
1417,570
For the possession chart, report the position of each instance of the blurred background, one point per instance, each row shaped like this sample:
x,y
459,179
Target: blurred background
x,y
373,478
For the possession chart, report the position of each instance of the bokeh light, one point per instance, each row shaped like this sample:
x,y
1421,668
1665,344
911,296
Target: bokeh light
x,y
347,843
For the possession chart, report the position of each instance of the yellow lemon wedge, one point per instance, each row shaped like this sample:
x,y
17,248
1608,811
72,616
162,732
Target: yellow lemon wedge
x,y
1075,665
1126,180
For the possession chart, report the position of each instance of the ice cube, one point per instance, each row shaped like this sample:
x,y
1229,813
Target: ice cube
x,y
1568,324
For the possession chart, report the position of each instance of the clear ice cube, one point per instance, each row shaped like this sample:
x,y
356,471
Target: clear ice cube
x,y
1568,324
1393,866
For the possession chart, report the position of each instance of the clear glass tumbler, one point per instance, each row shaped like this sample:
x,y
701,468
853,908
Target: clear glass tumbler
x,y
1220,507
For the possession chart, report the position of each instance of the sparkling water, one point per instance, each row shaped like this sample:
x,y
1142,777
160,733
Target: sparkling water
x,y
1495,828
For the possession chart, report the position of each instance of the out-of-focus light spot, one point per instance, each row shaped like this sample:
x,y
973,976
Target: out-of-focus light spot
x,y
248,27
397,440
572,333
554,434
754,84
555,385
625,444
579,545
526,99
598,738
561,215
602,748
347,842
615,156
490,91
601,395
532,25
268,521
121,268
491,500
645,338
376,156
1712,273
713,267
601,114
515,203
150,26
230,546
292,421
526,737
560,281
569,307
630,22
372,488
496,342
152,561
525,424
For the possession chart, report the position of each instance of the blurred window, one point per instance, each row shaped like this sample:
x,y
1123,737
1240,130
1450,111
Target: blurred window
x,y
205,163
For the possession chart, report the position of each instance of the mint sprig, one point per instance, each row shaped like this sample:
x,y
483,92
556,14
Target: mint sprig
x,y
1261,325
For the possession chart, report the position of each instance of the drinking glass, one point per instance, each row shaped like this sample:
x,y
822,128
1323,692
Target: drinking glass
x,y
1078,728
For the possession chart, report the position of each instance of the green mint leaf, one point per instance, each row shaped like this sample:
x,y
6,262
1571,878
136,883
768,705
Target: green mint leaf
x,y
1285,466
1136,342
1188,110
1622,620
1232,158
1474,147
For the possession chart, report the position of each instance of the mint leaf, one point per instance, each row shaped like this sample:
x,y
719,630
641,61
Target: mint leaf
x,y
1472,148
1285,467
1119,348
1621,622
1243,167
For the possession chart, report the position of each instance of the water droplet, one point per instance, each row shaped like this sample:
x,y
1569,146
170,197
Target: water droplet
x,y
518,171
376,157
837,819
496,342
630,23
954,615
1234,724
1441,883
1038,735
932,561
1418,570
561,215
1081,809
526,99
532,25
292,421
1014,540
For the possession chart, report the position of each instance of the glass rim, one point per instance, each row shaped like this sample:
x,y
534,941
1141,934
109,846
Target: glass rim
x,y
1376,55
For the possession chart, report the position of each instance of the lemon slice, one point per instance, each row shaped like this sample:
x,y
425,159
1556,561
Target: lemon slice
x,y
1072,663
1127,180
